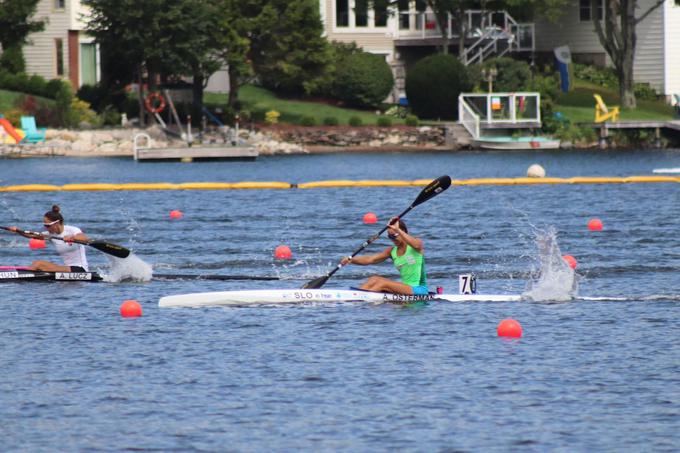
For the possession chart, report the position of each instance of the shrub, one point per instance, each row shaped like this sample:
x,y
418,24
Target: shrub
x,y
363,80
644,92
411,120
605,77
450,78
384,121
512,75
12,59
331,121
307,120
355,121
272,117
337,52
257,115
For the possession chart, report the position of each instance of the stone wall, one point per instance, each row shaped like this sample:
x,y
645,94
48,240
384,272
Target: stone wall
x,y
268,140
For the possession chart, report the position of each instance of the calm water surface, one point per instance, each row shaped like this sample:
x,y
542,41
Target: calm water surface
x,y
586,376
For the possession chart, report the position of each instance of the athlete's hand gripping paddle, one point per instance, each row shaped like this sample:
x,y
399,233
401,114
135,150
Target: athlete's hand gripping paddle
x,y
433,189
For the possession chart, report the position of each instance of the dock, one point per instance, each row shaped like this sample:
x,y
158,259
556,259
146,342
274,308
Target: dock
x,y
604,128
193,153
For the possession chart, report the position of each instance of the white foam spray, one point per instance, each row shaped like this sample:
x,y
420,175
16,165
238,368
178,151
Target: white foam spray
x,y
554,280
131,268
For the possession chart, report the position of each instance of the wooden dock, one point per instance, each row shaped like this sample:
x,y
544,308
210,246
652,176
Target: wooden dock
x,y
203,152
656,125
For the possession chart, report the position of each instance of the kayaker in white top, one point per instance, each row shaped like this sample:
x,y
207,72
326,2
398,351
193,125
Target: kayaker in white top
x,y
73,255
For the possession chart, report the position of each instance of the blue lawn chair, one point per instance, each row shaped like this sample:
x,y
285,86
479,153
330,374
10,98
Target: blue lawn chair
x,y
33,134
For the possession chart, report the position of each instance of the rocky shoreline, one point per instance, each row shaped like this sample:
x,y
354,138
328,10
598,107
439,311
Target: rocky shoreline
x,y
269,140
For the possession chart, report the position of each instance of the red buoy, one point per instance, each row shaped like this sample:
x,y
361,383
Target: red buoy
x,y
509,328
595,225
571,261
369,218
175,214
35,244
130,309
283,252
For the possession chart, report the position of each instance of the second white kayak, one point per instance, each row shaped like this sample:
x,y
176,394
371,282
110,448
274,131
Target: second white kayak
x,y
297,296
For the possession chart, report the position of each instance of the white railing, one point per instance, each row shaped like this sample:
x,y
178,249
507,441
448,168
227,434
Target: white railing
x,y
495,33
468,118
500,109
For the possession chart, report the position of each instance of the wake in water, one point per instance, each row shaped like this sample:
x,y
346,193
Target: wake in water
x,y
554,280
131,268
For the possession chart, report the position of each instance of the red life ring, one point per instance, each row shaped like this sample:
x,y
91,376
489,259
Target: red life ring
x,y
154,102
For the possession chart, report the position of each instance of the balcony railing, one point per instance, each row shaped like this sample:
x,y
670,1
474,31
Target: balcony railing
x,y
494,33
478,110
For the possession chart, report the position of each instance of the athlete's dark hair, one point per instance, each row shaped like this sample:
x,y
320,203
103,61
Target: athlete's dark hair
x,y
54,214
402,226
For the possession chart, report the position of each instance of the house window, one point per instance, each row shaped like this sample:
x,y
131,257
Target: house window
x,y
585,11
88,64
361,13
59,4
59,56
380,9
342,13
404,15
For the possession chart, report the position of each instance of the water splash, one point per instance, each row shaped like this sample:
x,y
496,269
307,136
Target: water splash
x,y
131,268
554,280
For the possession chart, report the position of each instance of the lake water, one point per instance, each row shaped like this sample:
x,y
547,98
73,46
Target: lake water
x,y
588,375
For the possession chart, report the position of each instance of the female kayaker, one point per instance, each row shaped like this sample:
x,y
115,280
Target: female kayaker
x,y
407,256
73,255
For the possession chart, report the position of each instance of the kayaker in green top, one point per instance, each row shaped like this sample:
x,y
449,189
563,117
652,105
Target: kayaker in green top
x,y
408,257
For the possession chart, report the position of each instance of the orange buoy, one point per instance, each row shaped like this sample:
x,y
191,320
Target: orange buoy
x,y
283,252
571,261
130,309
595,225
35,244
370,218
175,214
509,328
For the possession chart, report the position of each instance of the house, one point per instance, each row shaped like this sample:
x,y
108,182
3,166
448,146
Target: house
x,y
406,31
63,49
657,51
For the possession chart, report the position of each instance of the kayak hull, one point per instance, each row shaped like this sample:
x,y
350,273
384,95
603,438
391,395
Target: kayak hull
x,y
301,296
22,274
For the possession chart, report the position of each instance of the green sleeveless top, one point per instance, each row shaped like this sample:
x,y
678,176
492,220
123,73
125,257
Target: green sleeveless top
x,y
411,266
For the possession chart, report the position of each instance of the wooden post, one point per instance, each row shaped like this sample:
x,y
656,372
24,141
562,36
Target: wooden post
x,y
604,134
657,137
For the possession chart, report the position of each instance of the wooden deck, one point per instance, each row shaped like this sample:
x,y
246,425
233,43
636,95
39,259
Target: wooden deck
x,y
197,153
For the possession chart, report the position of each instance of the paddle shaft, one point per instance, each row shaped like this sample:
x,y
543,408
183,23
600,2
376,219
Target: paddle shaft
x,y
105,247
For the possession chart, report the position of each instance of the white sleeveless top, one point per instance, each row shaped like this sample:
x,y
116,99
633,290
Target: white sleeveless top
x,y
72,254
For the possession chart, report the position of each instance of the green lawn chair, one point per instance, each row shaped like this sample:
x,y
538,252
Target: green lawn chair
x,y
33,134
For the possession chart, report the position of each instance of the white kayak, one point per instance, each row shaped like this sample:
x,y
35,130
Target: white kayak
x,y
299,296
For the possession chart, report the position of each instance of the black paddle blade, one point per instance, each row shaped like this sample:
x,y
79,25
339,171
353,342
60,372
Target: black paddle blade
x,y
316,283
111,249
433,189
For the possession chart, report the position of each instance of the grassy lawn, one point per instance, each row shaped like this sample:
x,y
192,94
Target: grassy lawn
x,y
8,99
579,105
256,98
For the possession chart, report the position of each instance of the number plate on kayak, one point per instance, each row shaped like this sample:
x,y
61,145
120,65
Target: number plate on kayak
x,y
73,276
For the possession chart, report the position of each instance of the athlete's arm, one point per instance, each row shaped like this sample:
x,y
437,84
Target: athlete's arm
x,y
365,260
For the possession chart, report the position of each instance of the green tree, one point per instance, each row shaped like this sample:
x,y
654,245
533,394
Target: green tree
x,y
167,38
617,33
287,47
15,26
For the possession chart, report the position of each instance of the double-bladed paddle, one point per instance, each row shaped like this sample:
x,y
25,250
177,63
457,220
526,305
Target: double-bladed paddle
x,y
103,246
433,189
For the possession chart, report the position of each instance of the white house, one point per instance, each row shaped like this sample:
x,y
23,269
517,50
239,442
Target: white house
x,y
657,52
406,33
63,49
